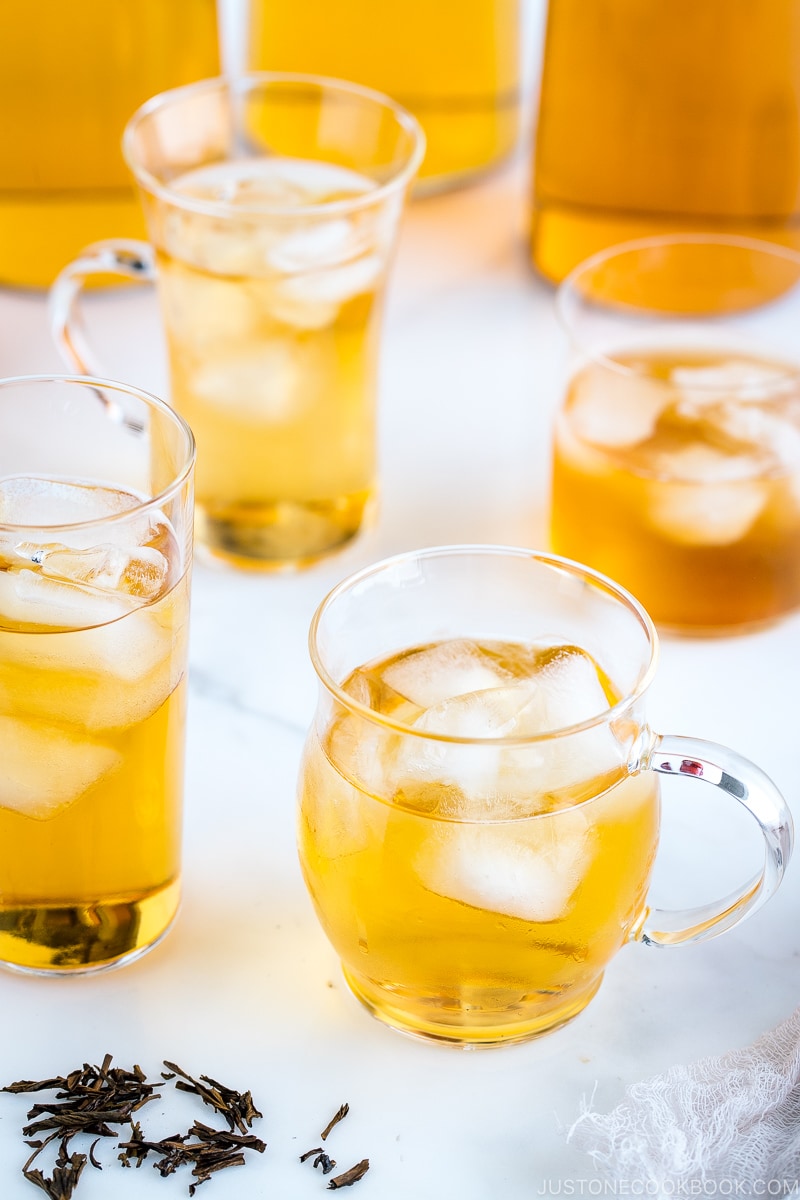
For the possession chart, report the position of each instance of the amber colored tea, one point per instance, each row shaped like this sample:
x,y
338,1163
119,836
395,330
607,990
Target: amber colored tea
x,y
658,117
92,661
475,892
678,475
454,65
272,344
70,77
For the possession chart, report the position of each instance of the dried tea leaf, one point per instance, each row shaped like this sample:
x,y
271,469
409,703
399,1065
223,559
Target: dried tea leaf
x,y
348,1178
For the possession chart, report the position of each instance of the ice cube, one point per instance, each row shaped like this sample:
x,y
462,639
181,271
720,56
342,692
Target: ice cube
x,y
333,285
244,181
205,313
29,598
368,687
312,182
320,244
614,409
748,380
34,501
774,438
701,463
232,251
272,182
565,690
442,671
488,713
262,383
708,498
140,572
45,769
569,690
312,300
242,244
524,869
475,770
100,678
338,800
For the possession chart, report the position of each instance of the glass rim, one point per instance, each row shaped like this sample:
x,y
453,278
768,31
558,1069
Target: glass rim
x,y
241,84
152,401
596,578
568,287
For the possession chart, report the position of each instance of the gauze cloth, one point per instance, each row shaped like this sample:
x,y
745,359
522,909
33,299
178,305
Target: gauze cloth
x,y
730,1123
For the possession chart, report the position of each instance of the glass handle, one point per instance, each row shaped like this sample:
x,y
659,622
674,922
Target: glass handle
x,y
694,758
130,259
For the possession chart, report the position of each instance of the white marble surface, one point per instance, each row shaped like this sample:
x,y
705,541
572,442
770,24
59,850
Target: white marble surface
x,y
246,988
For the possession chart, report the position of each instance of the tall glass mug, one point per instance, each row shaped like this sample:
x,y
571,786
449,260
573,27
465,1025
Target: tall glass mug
x,y
272,204
454,64
656,117
70,76
95,555
677,446
479,797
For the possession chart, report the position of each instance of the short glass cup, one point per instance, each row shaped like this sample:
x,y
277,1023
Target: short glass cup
x,y
676,465
479,793
95,557
272,203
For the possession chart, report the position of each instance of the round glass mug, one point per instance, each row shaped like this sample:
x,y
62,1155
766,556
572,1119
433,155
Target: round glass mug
x,y
676,465
95,557
479,796
272,204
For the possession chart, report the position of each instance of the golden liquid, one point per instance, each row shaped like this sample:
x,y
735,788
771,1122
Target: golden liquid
x,y
70,77
91,734
276,374
660,117
454,65
714,548
409,883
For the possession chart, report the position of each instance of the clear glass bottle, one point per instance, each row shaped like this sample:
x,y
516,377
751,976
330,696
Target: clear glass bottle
x,y
453,63
657,117
70,76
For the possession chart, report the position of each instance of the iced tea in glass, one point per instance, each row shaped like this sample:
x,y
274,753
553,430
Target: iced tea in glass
x,y
95,554
272,204
478,798
676,464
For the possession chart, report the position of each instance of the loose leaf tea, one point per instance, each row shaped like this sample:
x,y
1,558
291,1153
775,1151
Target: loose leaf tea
x,y
236,1107
347,1178
66,1174
322,1159
89,1100
95,1099
335,1119
211,1150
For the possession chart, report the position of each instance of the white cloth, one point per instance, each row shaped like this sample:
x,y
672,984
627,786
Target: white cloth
x,y
730,1123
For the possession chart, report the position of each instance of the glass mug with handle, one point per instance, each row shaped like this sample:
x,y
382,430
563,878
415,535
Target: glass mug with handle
x,y
272,205
95,557
479,794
